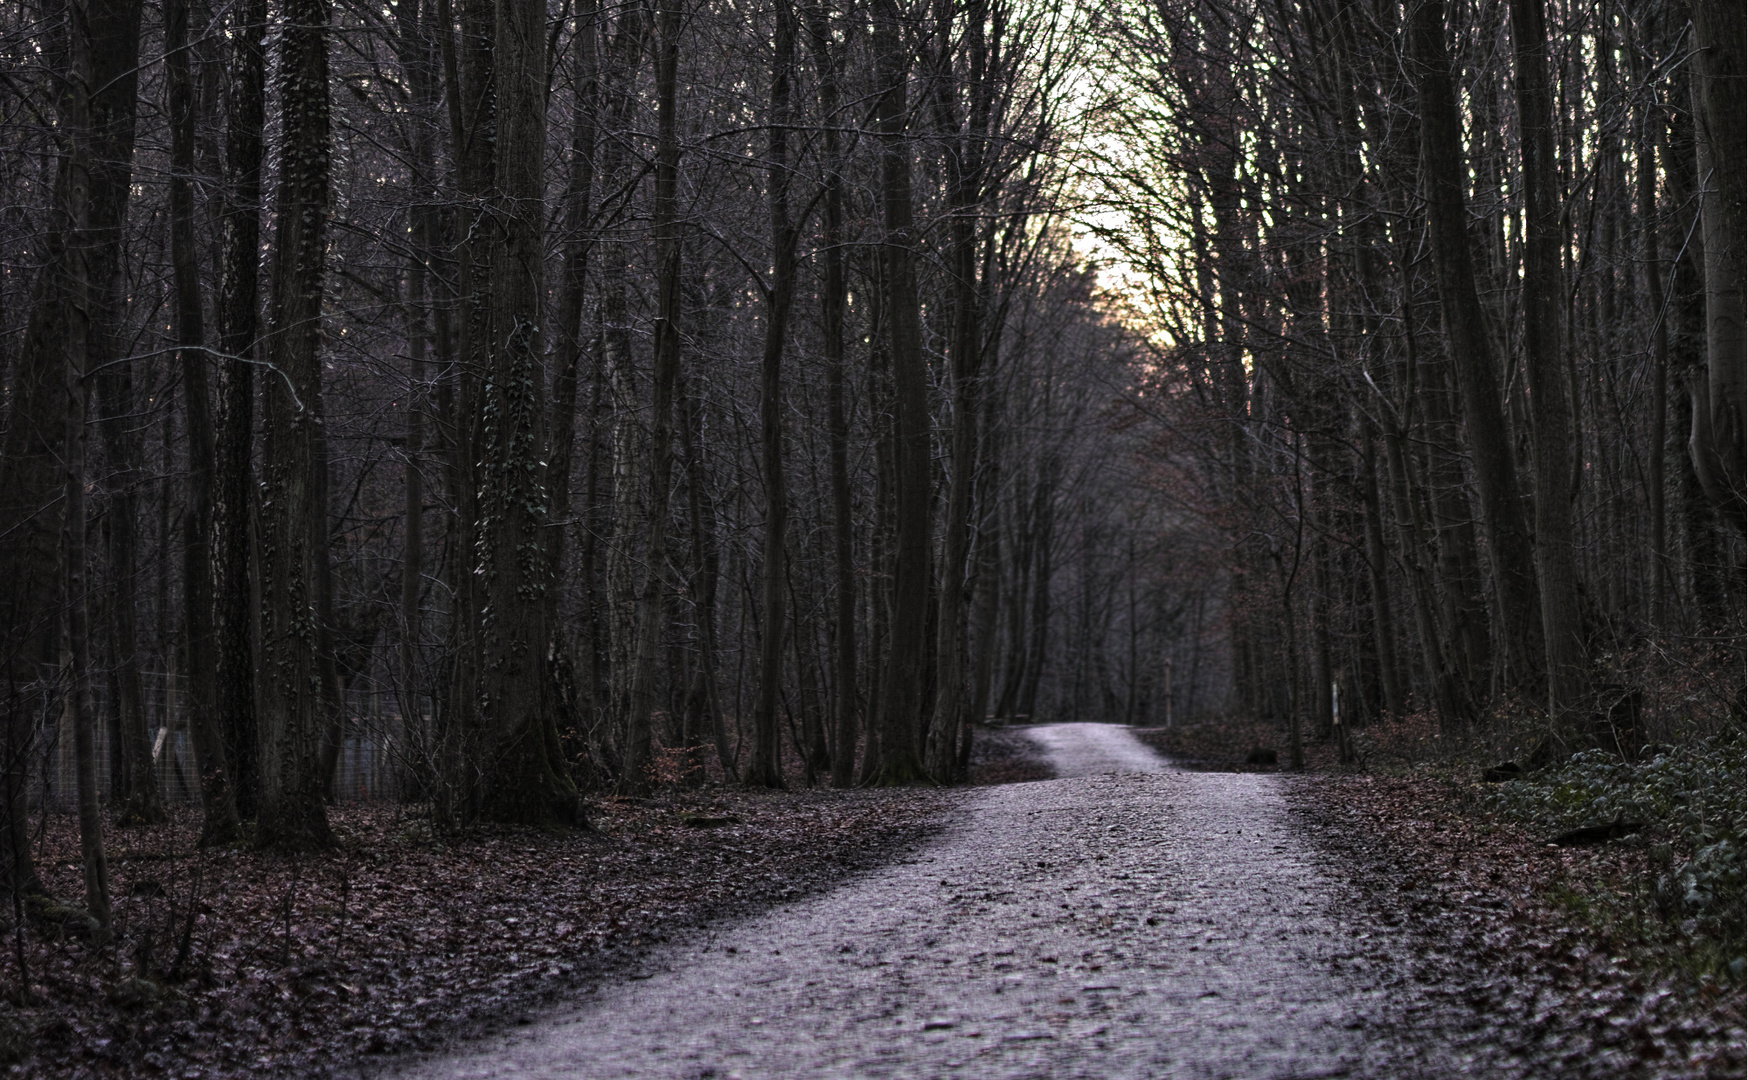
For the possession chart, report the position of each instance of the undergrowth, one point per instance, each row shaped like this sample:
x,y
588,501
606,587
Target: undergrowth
x,y
1690,802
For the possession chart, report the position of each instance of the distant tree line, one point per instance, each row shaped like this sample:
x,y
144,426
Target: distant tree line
x,y
1450,356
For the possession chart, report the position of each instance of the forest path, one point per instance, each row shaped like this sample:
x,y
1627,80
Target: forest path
x,y
1123,920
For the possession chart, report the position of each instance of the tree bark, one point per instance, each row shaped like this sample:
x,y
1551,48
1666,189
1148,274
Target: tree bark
x,y
1650,138
524,778
964,161
1377,560
294,518
239,319
766,769
74,109
1550,408
1718,92
579,241
469,59
847,705
220,823
901,697
115,49
634,777
707,563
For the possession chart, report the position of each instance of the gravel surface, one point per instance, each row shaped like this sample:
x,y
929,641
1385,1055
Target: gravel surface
x,y
1120,921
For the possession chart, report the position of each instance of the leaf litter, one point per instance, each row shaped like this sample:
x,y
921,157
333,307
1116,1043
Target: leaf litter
x,y
400,938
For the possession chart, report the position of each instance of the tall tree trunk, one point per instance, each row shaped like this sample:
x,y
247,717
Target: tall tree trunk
x,y
239,318
413,46
1719,113
707,562
221,825
766,769
901,697
294,518
1471,349
1650,137
1550,408
579,240
880,542
634,776
610,616
964,161
1438,639
115,50
844,679
32,498
1044,524
73,105
413,514
524,777
467,44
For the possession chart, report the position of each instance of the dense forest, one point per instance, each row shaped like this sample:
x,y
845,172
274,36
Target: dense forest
x,y
501,405
1444,305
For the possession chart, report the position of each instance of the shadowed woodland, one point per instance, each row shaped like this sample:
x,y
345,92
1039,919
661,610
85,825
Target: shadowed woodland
x,y
501,408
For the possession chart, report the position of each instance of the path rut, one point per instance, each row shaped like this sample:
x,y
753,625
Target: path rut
x,y
1123,920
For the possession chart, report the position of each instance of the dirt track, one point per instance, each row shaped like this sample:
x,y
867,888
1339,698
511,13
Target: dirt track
x,y
1123,920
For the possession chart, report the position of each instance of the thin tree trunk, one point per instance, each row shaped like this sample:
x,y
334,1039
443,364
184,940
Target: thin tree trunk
x,y
766,768
1383,621
634,777
221,825
1550,408
844,677
708,564
1437,637
239,299
1650,137
1044,523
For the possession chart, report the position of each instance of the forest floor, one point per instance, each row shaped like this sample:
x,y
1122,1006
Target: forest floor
x,y
401,938
1518,925
1129,920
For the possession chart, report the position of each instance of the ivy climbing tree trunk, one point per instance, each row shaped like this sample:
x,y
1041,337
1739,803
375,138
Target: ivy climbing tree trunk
x,y
294,519
524,778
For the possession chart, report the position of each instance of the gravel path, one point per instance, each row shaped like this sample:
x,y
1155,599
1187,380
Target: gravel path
x,y
1123,920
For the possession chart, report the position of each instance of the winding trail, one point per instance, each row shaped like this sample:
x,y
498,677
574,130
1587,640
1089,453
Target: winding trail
x,y
1123,920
